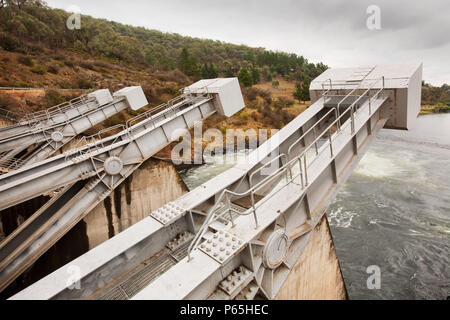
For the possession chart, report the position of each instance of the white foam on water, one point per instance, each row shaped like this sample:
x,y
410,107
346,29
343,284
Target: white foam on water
x,y
377,166
341,218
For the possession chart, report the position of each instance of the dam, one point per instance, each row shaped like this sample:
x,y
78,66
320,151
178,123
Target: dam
x,y
247,233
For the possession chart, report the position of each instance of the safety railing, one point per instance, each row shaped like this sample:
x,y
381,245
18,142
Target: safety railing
x,y
169,107
47,114
285,170
149,118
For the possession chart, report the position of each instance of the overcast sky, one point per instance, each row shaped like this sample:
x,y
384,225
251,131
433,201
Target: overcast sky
x,y
332,31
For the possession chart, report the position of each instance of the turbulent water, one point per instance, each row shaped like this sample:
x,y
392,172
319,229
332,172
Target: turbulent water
x,y
393,212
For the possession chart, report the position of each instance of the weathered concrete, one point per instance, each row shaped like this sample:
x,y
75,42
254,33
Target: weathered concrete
x,y
155,183
317,274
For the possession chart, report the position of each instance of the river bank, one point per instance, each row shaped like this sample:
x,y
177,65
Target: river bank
x,y
437,108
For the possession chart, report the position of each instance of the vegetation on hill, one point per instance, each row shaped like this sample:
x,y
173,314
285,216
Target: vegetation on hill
x,y
29,27
435,99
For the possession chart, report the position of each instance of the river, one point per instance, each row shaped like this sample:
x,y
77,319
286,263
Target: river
x,y
393,212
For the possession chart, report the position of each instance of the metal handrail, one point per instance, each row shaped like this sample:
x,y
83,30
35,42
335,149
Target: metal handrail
x,y
309,130
130,126
211,217
265,165
57,109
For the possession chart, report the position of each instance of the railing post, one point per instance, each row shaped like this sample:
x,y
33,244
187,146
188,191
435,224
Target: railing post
x,y
306,170
331,142
229,210
301,171
254,209
315,140
352,120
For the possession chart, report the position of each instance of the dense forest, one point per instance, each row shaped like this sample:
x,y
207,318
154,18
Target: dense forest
x,y
28,25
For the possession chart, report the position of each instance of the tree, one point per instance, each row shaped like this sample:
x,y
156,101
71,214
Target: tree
x,y
228,70
188,63
245,77
255,75
302,91
209,71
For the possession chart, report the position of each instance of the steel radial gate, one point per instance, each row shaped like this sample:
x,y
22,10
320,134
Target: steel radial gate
x,y
88,174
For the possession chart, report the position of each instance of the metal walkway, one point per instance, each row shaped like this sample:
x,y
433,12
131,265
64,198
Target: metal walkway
x,y
246,228
40,135
87,175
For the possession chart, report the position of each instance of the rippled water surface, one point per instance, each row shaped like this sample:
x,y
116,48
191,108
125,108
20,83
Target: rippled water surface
x,y
393,212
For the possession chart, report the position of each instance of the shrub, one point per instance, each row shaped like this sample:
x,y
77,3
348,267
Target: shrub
x,y
173,76
283,102
26,61
170,90
69,63
59,57
250,93
83,83
101,64
115,120
20,84
53,69
11,43
255,116
275,83
39,69
53,97
87,65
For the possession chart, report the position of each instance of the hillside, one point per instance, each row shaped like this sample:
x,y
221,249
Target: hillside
x,y
38,51
33,28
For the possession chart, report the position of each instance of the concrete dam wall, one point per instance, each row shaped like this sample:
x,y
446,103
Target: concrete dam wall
x,y
155,183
